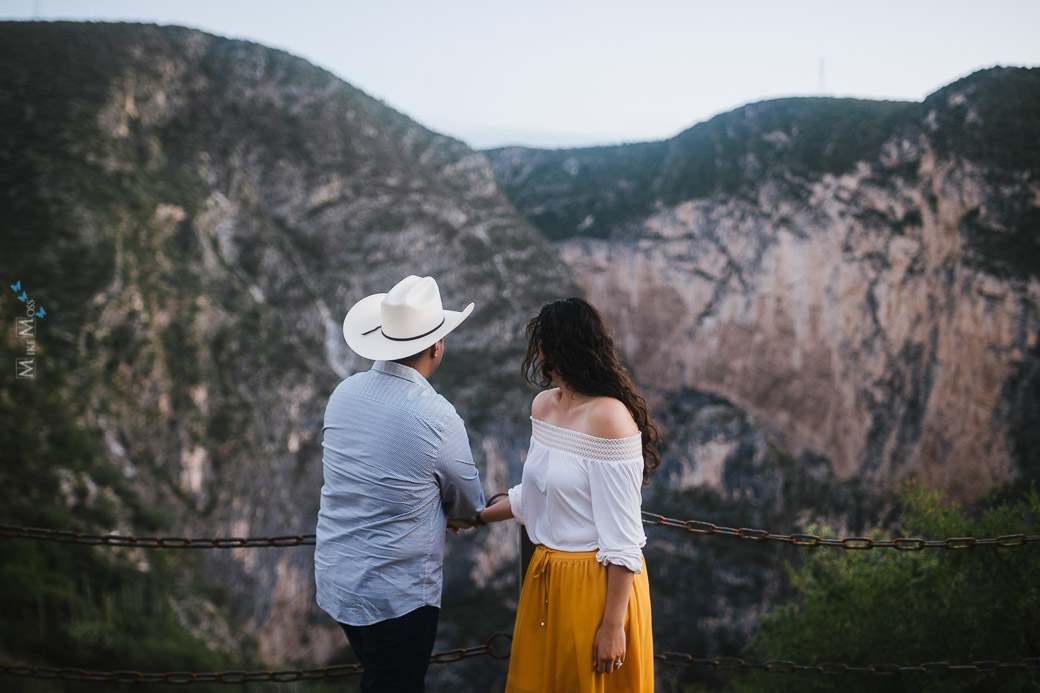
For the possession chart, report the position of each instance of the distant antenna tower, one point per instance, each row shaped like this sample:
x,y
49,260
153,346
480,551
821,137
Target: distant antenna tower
x,y
822,83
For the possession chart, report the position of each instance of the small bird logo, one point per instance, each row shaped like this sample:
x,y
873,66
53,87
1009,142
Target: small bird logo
x,y
41,312
17,286
23,297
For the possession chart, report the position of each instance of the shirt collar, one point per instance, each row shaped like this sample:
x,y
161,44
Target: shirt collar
x,y
400,371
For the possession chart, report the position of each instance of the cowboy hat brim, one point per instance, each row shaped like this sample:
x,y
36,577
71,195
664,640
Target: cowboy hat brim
x,y
363,336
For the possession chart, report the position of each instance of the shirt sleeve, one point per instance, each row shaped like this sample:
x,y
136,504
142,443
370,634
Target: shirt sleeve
x,y
616,504
461,494
516,502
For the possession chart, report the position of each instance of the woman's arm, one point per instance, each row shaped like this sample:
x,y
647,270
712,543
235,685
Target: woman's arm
x,y
503,510
610,418
610,645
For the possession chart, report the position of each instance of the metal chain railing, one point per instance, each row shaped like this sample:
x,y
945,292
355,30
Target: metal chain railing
x,y
772,666
281,676
783,666
651,519
848,543
67,537
487,648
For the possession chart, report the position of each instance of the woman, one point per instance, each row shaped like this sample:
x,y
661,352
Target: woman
x,y
583,622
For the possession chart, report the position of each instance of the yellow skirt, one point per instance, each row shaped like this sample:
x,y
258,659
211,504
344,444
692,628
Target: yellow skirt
x,y
561,606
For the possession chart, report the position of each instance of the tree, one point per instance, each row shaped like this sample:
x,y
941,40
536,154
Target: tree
x,y
888,606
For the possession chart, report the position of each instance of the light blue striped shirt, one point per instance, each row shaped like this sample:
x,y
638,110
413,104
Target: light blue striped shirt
x,y
397,464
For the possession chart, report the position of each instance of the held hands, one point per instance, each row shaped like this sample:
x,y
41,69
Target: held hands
x,y
477,520
465,523
608,649
456,525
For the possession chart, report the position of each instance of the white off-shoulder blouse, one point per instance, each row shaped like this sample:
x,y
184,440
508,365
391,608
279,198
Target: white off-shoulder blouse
x,y
582,493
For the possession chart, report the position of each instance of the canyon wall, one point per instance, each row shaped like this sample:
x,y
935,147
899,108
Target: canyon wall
x,y
879,306
197,215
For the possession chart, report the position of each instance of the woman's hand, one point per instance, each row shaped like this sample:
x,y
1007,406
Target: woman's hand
x,y
610,644
457,524
608,648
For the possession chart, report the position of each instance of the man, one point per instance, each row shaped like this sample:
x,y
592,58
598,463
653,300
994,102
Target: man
x,y
397,466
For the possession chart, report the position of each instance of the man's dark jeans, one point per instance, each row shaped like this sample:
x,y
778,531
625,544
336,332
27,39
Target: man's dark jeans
x,y
395,652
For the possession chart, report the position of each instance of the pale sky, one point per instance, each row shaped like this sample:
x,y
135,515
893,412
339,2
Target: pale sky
x,y
556,73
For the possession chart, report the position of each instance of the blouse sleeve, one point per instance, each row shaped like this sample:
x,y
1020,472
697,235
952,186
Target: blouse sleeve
x,y
616,503
516,502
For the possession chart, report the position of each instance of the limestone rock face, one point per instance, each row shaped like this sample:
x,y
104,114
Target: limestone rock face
x,y
197,215
881,310
882,354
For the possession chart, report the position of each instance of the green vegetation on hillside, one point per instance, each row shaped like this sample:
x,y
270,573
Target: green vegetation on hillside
x,y
991,117
77,605
806,136
596,191
886,606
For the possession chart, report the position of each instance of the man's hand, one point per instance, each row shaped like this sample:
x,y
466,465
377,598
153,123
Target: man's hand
x,y
456,525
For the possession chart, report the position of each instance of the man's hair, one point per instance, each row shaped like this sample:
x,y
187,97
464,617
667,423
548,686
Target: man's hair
x,y
410,361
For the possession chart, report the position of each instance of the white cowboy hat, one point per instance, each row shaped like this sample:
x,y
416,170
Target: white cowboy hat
x,y
401,322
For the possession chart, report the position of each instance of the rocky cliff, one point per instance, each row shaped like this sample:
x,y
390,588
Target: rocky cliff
x,y
196,215
864,276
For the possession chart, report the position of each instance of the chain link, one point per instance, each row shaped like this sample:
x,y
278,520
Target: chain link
x,y
847,543
231,677
783,666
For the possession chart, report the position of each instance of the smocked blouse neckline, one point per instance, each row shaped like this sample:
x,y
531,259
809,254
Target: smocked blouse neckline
x,y
586,445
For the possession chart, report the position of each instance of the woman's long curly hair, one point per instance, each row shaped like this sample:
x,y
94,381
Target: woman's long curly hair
x,y
576,346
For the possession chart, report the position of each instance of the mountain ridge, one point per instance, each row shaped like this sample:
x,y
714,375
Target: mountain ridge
x,y
811,132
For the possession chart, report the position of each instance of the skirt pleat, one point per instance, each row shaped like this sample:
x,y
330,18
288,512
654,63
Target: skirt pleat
x,y
561,606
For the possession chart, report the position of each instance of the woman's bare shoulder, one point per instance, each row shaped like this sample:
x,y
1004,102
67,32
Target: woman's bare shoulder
x,y
544,403
610,418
